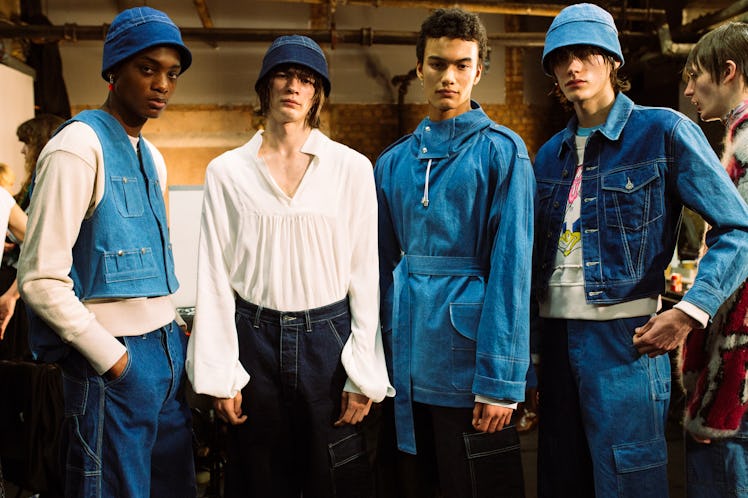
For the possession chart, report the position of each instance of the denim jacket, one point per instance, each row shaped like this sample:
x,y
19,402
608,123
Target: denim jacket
x,y
455,243
640,169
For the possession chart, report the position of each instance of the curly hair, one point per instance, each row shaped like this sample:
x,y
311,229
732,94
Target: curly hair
x,y
455,24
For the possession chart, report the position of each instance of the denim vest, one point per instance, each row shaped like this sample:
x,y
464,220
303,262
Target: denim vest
x,y
123,249
639,170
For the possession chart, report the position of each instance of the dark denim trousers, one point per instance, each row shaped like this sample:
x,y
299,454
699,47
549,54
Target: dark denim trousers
x,y
288,445
603,409
453,459
130,437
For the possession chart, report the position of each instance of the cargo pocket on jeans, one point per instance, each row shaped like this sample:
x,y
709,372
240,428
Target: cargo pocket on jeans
x,y
495,463
349,467
641,465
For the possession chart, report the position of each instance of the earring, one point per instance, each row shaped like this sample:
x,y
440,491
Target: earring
x,y
111,82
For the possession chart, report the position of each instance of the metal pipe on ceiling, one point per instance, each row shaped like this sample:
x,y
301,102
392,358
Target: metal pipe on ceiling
x,y
509,8
364,36
707,21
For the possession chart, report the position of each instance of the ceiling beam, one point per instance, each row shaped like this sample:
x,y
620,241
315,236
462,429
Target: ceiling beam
x,y
509,8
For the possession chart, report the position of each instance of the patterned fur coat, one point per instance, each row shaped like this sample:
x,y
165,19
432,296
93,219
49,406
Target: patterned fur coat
x,y
714,361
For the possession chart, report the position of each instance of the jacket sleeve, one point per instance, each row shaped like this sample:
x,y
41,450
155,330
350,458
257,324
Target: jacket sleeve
x,y
502,355
212,361
705,187
389,247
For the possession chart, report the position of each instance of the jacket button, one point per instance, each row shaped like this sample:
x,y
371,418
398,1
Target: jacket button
x,y
565,173
124,180
555,204
424,150
142,250
428,128
120,253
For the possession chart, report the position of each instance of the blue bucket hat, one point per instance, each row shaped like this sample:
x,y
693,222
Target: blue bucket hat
x,y
582,24
295,49
137,29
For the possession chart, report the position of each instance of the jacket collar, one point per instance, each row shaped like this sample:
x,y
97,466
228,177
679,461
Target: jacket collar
x,y
437,139
612,128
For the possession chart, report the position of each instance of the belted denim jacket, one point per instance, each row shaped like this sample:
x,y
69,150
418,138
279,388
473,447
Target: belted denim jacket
x,y
455,243
639,170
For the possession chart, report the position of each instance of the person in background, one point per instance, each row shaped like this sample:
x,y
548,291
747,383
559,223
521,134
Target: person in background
x,y
611,188
285,335
714,361
13,219
97,271
34,134
455,245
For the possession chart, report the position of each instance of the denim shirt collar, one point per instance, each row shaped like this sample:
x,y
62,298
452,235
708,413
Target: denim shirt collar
x,y
437,139
612,129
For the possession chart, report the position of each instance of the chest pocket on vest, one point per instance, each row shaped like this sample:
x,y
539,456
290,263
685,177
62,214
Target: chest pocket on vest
x,y
127,195
134,264
633,196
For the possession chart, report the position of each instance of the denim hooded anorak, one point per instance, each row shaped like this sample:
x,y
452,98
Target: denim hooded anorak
x,y
455,237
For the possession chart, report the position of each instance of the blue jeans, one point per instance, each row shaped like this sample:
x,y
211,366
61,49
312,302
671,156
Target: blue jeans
x,y
603,409
718,469
288,444
130,437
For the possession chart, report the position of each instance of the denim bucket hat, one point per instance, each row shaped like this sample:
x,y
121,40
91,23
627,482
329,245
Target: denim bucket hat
x,y
295,49
582,24
137,29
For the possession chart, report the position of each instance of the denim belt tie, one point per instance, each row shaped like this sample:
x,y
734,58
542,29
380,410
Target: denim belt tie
x,y
402,334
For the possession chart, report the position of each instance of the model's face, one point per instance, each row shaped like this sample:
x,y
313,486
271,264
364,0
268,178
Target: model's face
x,y
450,69
584,79
144,83
706,94
291,94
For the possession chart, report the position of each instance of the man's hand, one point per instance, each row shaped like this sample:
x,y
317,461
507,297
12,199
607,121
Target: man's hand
x,y
491,418
353,408
230,409
7,308
663,332
117,369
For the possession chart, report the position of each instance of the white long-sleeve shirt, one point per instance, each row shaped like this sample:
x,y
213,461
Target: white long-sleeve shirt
x,y
287,254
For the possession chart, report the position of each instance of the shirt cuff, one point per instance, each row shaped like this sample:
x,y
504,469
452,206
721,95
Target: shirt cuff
x,y
495,402
694,312
351,387
99,347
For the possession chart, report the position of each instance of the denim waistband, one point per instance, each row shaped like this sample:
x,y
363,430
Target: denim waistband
x,y
259,314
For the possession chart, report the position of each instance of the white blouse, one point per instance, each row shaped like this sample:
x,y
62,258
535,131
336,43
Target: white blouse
x,y
287,254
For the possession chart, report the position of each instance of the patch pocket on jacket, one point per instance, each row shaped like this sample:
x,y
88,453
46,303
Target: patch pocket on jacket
x,y
465,318
633,196
127,195
133,264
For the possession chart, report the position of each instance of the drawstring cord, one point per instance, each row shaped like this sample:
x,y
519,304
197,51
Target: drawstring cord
x,y
425,198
